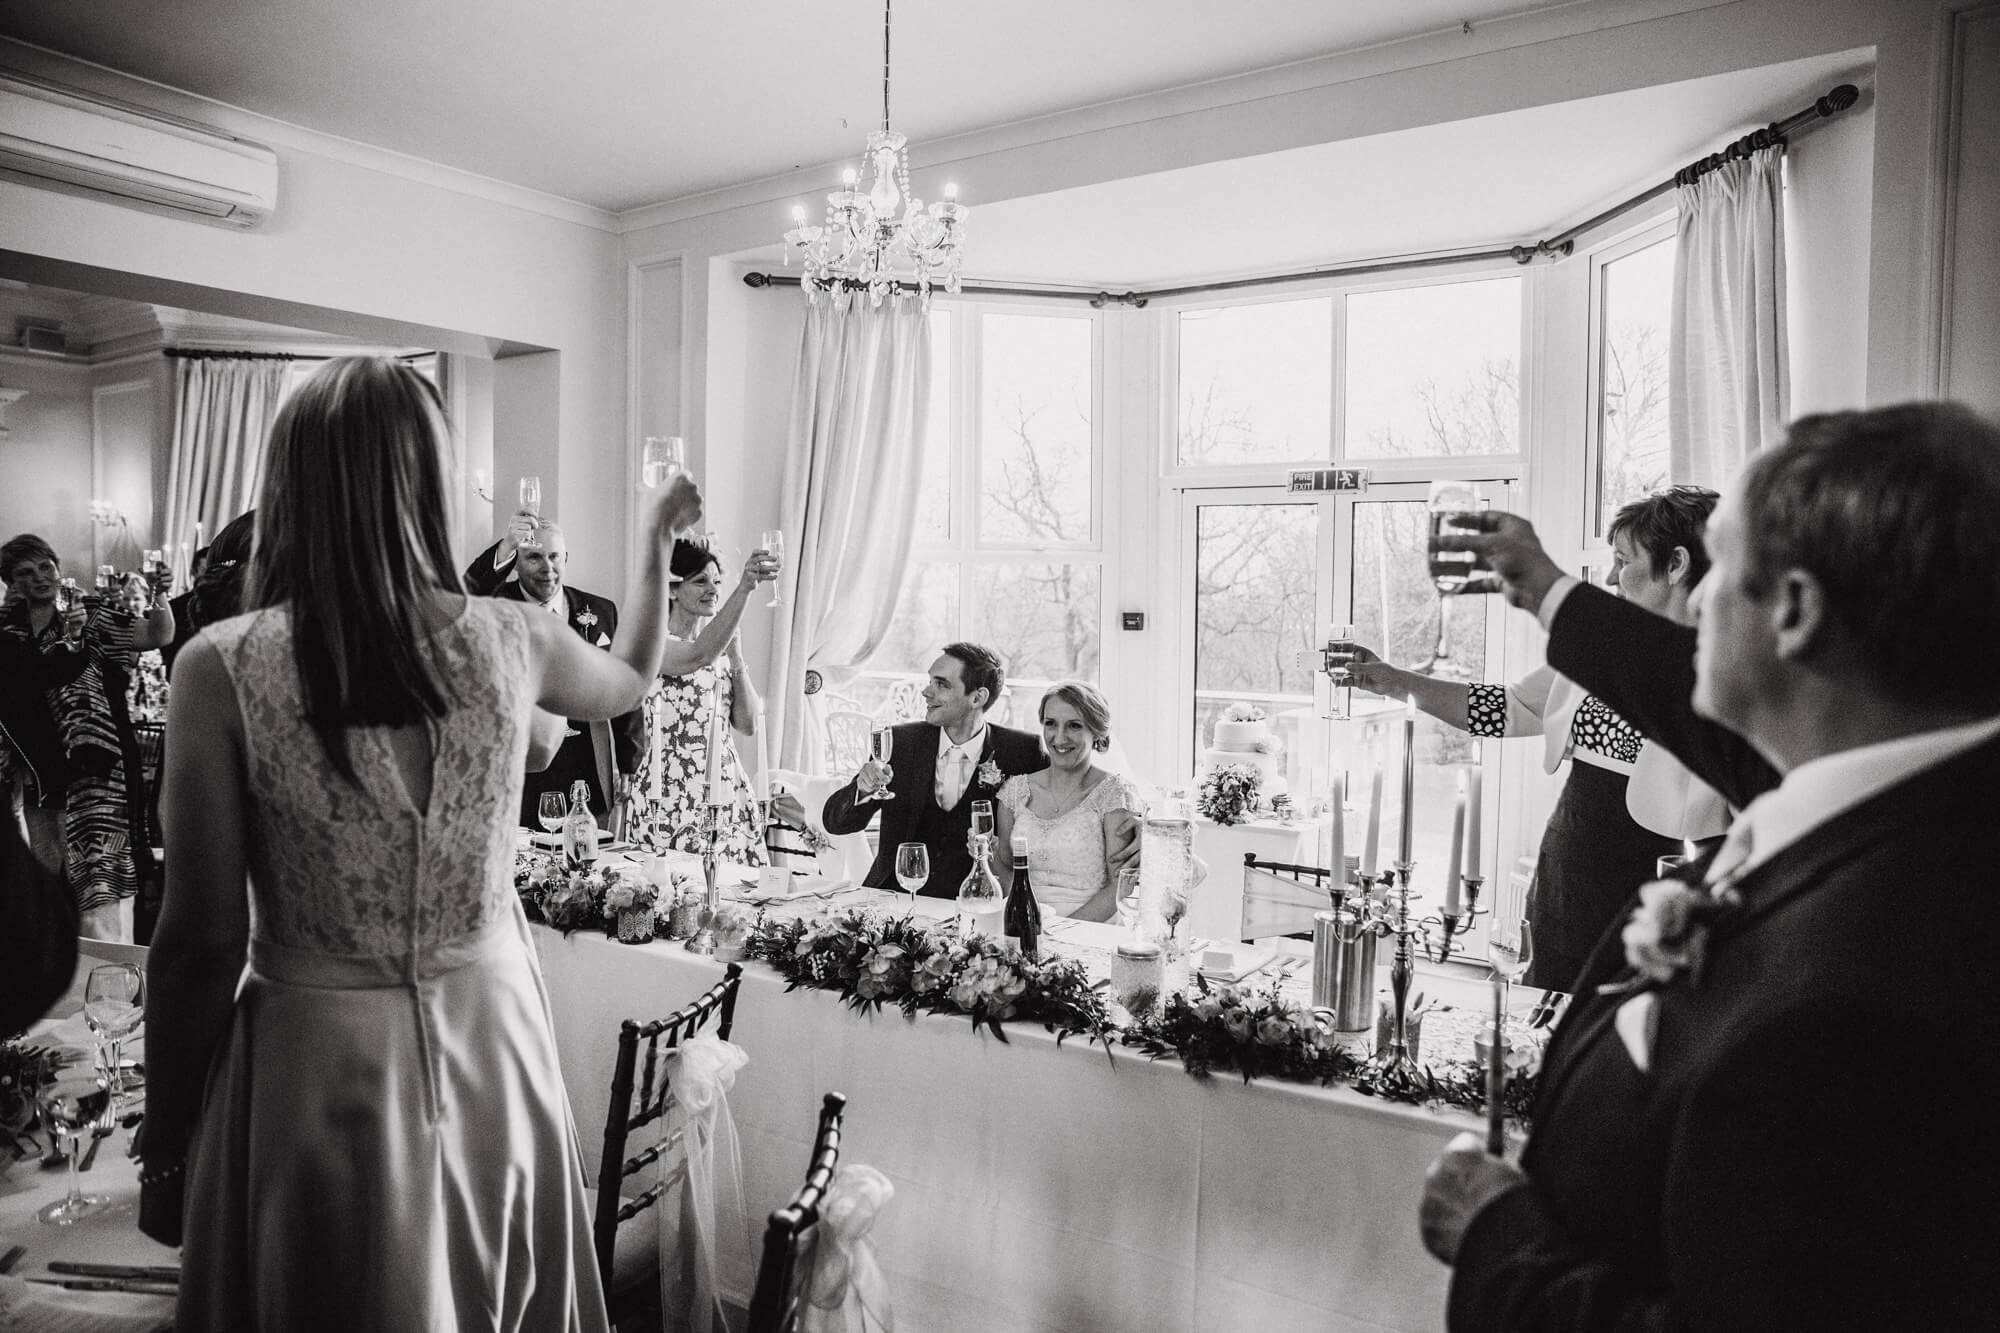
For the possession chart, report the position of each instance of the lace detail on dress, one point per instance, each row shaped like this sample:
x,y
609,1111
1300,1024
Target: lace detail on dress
x,y
337,867
1066,854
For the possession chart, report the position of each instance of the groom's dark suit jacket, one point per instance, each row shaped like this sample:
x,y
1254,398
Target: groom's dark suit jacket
x,y
914,816
597,749
1808,1147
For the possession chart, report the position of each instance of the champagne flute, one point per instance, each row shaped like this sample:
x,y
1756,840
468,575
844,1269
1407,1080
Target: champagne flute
x,y
550,811
1451,571
885,750
772,543
70,1105
114,1002
1340,655
913,869
531,495
663,459
107,578
982,819
68,598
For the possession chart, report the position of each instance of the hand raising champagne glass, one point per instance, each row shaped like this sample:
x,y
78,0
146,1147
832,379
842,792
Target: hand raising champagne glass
x,y
1451,571
772,543
884,743
665,457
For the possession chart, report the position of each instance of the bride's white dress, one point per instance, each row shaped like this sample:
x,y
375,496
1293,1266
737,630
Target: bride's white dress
x,y
1066,854
386,1143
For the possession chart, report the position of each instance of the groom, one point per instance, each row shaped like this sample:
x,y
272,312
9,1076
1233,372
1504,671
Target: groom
x,y
940,765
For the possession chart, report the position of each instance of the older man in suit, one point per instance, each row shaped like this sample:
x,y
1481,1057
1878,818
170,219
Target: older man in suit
x,y
940,766
1764,1109
527,564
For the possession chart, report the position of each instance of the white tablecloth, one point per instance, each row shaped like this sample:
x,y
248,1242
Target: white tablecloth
x,y
1038,1187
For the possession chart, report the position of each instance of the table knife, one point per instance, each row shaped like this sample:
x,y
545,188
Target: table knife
x,y
141,1272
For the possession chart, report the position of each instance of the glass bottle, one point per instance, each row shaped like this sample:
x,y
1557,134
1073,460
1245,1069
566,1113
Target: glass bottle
x,y
579,828
1023,914
979,900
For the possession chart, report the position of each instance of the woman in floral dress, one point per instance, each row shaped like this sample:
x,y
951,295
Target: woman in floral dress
x,y
684,711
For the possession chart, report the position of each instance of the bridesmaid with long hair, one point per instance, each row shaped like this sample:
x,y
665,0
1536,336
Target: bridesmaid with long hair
x,y
371,1130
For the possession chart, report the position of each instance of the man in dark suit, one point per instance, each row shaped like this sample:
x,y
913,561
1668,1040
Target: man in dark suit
x,y
940,766
527,565
1766,1107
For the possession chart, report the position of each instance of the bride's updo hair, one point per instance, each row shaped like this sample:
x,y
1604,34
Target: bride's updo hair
x,y
1089,705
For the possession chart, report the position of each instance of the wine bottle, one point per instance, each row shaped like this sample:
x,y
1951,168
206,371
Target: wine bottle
x,y
979,900
579,828
1024,914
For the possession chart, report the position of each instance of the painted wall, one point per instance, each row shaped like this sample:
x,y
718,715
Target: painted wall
x,y
45,459
408,254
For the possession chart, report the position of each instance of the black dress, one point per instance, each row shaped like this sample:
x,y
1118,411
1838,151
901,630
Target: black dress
x,y
1594,856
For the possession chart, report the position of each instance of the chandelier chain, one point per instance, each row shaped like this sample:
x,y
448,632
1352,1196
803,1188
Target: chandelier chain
x,y
885,63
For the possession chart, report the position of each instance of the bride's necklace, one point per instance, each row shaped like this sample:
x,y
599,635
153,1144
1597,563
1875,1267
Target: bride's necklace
x,y
1065,803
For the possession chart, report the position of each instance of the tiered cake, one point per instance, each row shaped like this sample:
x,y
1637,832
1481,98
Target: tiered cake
x,y
1242,736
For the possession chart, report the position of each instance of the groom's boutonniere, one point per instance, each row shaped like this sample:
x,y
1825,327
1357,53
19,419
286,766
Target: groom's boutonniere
x,y
989,773
1667,936
586,617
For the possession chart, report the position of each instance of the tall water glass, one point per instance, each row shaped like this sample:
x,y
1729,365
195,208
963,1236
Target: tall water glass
x,y
772,543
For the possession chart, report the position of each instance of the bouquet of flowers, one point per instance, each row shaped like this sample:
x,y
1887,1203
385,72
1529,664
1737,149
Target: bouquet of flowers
x,y
629,904
1228,793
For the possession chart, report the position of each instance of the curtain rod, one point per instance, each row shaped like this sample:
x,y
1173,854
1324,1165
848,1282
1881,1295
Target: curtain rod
x,y
1558,246
208,354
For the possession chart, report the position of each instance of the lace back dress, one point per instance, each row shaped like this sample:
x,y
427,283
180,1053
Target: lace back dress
x,y
1066,854
385,1141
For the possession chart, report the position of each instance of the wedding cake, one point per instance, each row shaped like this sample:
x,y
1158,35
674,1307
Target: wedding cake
x,y
1242,736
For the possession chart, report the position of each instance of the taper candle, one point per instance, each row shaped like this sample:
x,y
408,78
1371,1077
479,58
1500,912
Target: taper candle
x,y
1407,840
1452,901
763,756
1474,848
1371,847
1338,861
712,783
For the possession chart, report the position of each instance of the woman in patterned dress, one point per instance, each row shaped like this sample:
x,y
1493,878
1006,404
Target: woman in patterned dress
x,y
1609,826
104,820
1073,815
712,699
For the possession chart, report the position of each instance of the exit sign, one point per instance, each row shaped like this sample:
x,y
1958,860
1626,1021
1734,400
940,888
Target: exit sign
x,y
1329,479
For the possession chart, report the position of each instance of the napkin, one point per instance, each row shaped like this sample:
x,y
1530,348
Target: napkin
x,y
1233,963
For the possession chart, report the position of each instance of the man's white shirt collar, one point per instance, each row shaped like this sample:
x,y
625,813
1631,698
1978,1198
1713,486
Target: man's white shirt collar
x,y
972,745
1820,789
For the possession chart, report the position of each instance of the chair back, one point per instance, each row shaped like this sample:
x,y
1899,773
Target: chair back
x,y
1279,898
628,1114
792,1233
904,704
847,740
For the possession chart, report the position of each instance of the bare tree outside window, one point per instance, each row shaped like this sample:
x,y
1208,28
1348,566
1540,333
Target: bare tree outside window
x,y
1632,394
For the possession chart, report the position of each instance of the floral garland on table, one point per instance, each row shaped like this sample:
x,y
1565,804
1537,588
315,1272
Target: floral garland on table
x,y
1229,793
620,902
1262,1034
23,1069
874,960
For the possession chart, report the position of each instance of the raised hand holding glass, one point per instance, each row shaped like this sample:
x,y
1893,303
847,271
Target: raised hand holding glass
x,y
664,458
772,543
885,750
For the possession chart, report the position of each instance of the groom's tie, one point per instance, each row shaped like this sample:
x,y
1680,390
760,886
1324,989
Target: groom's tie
x,y
952,779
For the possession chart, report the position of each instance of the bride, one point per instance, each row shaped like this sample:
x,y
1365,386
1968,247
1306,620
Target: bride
x,y
1077,818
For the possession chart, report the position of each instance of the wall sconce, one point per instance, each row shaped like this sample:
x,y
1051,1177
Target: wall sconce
x,y
481,487
105,514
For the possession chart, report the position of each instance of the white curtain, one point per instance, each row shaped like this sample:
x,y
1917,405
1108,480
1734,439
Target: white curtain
x,y
1728,391
853,462
223,410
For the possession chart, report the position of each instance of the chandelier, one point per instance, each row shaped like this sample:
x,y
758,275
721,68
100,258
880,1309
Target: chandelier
x,y
865,243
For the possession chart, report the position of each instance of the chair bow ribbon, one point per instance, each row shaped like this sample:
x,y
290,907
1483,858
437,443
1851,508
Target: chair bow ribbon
x,y
847,1292
702,1070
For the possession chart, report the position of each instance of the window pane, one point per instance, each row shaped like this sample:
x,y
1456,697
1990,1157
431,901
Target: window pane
x,y
934,496
1035,429
1256,383
1434,371
926,619
1256,585
1632,396
1041,618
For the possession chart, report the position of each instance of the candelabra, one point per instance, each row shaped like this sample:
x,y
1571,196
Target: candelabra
x,y
1393,1065
703,940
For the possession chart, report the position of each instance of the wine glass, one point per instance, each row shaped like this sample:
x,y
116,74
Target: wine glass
x,y
71,1105
1451,571
664,458
913,869
772,543
1510,947
114,1002
885,749
1340,655
551,810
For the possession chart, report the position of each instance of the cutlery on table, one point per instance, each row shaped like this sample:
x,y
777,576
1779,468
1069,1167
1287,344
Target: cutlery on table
x,y
135,1286
97,1136
12,1257
135,1272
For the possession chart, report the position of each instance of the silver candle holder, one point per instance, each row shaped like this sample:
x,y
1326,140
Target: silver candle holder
x,y
703,940
1453,924
1394,1065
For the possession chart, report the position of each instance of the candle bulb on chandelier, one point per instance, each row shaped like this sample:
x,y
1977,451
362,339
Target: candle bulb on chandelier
x,y
799,214
951,190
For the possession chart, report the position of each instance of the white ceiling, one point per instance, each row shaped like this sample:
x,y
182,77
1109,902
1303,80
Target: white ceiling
x,y
1474,183
621,103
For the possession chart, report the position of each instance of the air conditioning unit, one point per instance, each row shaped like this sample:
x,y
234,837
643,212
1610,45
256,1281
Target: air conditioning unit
x,y
71,140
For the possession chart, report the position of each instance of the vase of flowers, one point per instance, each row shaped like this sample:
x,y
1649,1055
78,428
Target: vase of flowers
x,y
631,905
1229,793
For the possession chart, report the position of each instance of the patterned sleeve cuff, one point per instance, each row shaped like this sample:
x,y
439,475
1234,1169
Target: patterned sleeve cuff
x,y
1486,710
